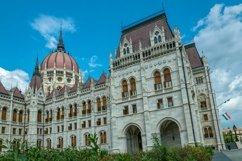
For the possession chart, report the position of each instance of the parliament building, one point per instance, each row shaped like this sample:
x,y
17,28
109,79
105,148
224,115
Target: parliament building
x,y
156,87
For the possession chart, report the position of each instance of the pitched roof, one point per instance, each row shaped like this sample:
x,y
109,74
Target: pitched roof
x,y
102,79
2,89
87,84
193,55
140,31
17,93
35,83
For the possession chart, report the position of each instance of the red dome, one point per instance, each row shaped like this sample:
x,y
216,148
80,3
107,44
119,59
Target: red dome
x,y
59,59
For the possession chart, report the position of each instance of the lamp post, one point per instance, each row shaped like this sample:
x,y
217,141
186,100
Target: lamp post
x,y
217,117
235,129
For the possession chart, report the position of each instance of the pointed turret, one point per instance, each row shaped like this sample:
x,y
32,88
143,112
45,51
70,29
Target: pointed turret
x,y
36,69
36,80
60,45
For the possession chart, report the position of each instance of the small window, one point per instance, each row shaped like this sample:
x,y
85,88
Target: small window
x,y
126,110
155,40
20,131
3,130
50,79
159,38
89,123
134,107
98,122
68,80
104,120
203,104
124,51
59,79
62,128
84,124
160,104
14,130
75,125
205,117
170,101
199,80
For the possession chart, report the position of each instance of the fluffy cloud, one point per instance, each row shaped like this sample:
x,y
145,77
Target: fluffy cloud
x,y
219,37
92,62
14,78
49,26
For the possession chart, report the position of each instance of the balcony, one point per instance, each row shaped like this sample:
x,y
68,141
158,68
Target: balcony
x,y
158,87
133,93
167,84
125,95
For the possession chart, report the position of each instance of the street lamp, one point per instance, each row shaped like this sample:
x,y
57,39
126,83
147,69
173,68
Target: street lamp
x,y
235,129
223,103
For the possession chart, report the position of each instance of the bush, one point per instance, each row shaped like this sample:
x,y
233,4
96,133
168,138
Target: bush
x,y
19,151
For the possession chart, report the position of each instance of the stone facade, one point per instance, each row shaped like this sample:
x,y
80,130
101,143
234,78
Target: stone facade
x,y
157,87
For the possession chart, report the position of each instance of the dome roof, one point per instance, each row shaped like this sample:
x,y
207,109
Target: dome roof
x,y
60,59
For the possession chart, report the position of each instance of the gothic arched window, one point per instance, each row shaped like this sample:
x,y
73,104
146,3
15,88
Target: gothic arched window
x,y
39,116
15,115
4,113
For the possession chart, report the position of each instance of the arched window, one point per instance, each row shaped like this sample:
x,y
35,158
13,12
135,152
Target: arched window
x,y
208,132
89,107
125,88
4,113
157,77
62,112
20,116
60,142
48,143
205,132
73,141
159,38
84,108
98,104
51,115
167,78
104,107
75,109
39,117
15,115
127,50
132,87
87,141
103,137
157,80
203,102
167,75
58,114
47,116
124,51
155,40
71,111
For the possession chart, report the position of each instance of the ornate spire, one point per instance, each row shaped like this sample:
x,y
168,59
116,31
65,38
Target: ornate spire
x,y
36,69
60,45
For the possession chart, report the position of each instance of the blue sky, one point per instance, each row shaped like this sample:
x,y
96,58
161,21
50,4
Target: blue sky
x,y
92,30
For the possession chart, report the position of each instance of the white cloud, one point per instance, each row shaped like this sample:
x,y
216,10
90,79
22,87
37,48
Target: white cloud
x,y
92,62
219,37
14,78
49,26
84,75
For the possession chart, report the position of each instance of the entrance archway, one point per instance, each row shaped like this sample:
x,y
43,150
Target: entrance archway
x,y
134,139
170,134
